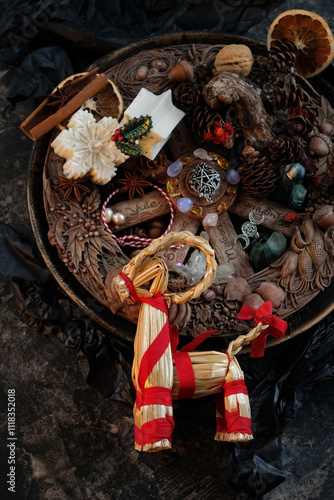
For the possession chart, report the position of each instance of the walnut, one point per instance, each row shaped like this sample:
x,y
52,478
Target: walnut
x,y
236,58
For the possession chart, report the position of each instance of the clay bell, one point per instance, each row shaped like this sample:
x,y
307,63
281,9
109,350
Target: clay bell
x,y
182,72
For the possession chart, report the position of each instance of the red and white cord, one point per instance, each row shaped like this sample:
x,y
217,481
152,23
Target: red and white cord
x,y
130,239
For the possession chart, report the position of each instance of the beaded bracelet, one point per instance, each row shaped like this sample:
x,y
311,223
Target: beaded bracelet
x,y
130,239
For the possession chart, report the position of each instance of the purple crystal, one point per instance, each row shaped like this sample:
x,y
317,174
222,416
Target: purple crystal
x,y
201,153
175,168
184,204
233,177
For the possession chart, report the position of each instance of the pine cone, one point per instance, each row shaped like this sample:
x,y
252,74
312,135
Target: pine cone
x,y
287,149
153,168
258,177
186,96
279,99
296,96
203,120
203,73
263,75
299,125
291,97
282,55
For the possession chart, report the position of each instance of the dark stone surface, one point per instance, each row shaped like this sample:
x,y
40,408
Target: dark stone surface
x,y
75,443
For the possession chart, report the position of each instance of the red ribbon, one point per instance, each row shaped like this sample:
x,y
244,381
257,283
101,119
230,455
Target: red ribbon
x,y
277,326
154,430
159,428
182,361
230,422
154,396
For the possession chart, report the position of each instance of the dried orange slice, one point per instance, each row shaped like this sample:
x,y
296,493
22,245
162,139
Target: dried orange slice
x,y
107,102
311,35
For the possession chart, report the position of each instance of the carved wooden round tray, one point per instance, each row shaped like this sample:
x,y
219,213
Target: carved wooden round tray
x,y
84,267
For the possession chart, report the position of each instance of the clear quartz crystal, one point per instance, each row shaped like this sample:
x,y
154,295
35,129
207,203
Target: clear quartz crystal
x,y
201,153
195,268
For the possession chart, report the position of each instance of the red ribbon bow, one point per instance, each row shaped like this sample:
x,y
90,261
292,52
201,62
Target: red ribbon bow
x,y
277,326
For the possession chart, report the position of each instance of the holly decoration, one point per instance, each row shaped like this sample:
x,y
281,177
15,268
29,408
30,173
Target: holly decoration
x,y
127,137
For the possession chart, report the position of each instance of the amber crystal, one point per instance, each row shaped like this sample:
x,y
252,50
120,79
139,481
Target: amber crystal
x,y
197,210
173,187
222,207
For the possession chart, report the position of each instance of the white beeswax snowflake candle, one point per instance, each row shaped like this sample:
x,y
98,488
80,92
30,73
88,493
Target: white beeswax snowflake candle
x,y
165,116
88,149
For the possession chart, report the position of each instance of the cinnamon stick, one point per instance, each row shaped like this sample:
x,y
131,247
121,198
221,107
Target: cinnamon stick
x,y
44,118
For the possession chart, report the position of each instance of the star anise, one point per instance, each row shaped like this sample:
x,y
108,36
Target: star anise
x,y
61,96
134,183
73,188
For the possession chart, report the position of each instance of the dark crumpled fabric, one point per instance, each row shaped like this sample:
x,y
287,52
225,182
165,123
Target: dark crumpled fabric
x,y
276,382
39,73
85,30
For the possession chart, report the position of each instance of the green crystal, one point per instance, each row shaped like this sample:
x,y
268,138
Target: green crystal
x,y
297,197
264,254
260,256
277,245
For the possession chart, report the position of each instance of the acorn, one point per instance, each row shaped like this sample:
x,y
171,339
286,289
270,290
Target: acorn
x,y
208,295
153,72
159,64
324,216
142,73
318,146
325,128
182,72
